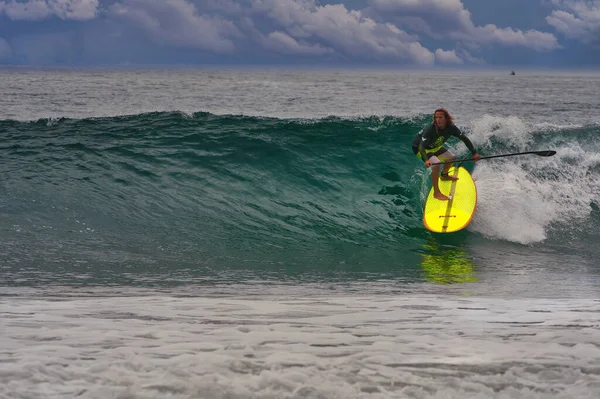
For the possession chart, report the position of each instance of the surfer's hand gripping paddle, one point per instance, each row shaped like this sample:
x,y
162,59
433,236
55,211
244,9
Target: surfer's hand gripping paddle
x,y
546,153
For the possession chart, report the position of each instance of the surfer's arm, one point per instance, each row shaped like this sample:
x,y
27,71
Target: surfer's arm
x,y
426,139
464,139
422,151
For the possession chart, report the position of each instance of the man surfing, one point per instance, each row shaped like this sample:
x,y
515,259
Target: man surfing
x,y
428,144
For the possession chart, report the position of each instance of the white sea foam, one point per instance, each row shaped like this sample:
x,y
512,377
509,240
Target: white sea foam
x,y
520,197
417,346
510,204
510,129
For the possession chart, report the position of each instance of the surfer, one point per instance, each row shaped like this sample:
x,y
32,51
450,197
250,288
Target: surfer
x,y
428,144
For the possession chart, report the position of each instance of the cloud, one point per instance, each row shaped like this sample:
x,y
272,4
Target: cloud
x,y
582,22
285,44
178,23
444,15
491,34
79,10
223,7
448,19
447,57
567,24
383,31
347,33
465,55
237,28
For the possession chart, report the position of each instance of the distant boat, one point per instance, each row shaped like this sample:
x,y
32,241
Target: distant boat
x,y
512,72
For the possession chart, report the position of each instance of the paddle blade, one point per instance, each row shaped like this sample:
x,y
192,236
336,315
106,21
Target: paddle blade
x,y
548,153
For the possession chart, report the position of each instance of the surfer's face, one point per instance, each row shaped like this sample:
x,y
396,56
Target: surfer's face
x,y
440,120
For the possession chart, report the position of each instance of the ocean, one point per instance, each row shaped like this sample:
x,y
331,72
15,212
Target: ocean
x,y
231,233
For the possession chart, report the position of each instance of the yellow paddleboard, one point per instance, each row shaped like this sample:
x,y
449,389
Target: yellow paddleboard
x,y
456,213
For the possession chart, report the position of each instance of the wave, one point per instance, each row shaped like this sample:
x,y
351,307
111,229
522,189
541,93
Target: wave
x,y
212,186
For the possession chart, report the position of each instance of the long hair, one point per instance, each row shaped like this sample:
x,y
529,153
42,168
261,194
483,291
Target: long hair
x,y
449,117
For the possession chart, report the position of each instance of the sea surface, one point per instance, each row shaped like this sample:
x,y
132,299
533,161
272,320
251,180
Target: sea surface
x,y
230,233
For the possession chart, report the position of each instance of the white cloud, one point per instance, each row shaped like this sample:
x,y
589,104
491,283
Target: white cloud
x,y
465,55
541,41
30,10
236,26
447,57
345,32
582,22
447,15
567,24
177,22
285,44
41,9
387,31
448,19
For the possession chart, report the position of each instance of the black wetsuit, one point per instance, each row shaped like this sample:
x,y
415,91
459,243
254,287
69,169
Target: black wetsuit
x,y
430,141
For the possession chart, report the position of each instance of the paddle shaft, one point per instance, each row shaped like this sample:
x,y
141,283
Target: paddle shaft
x,y
540,153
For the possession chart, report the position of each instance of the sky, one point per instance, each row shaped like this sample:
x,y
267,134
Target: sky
x,y
363,33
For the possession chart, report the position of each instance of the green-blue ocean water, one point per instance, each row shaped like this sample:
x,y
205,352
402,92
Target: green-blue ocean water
x,y
167,199
232,234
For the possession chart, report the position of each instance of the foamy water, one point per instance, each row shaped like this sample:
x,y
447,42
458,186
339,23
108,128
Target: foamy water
x,y
415,346
520,196
343,347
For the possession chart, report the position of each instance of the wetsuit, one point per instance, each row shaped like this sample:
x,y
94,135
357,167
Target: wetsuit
x,y
430,141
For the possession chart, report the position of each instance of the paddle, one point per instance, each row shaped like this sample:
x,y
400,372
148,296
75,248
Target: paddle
x,y
547,153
